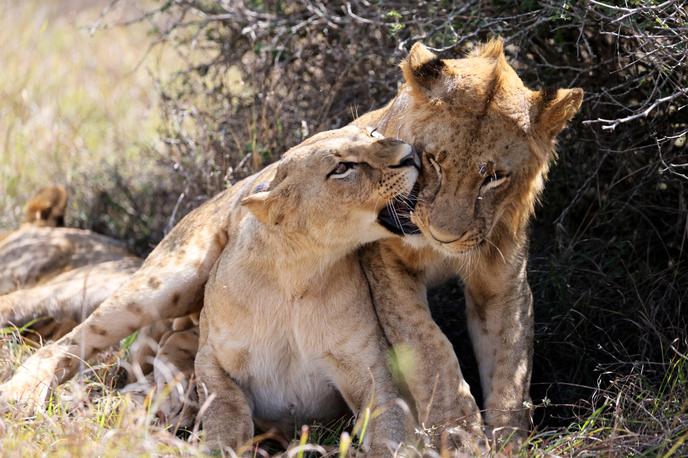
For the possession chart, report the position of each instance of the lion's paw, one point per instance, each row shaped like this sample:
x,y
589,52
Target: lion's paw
x,y
19,396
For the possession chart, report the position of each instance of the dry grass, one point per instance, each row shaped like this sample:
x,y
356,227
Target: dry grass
x,y
87,417
80,110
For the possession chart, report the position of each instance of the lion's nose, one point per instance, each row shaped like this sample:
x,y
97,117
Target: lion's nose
x,y
410,159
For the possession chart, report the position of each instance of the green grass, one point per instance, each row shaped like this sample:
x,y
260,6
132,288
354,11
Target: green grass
x,y
631,417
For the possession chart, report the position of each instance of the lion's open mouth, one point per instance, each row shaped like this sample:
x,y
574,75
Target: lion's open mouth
x,y
395,217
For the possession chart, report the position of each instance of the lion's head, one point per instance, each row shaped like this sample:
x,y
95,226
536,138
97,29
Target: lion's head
x,y
487,142
47,207
332,186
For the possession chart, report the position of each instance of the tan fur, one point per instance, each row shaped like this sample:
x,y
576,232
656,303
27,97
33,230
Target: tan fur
x,y
40,249
162,358
174,370
147,345
32,255
293,336
47,207
303,228
72,295
169,284
57,276
474,119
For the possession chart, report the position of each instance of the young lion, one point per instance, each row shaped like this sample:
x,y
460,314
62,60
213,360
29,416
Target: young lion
x,y
321,216
487,141
288,331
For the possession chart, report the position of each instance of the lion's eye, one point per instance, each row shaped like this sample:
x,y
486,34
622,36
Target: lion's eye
x,y
342,170
495,180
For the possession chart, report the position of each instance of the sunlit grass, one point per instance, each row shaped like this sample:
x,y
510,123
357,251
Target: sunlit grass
x,y
88,417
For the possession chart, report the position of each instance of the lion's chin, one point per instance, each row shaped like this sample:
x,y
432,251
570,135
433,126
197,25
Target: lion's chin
x,y
456,248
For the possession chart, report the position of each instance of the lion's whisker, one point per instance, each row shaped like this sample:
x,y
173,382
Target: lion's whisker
x,y
395,215
496,248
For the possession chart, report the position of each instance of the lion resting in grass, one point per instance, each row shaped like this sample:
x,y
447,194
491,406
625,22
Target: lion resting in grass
x,y
54,272
52,278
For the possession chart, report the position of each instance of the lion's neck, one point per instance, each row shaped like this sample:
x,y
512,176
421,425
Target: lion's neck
x,y
293,260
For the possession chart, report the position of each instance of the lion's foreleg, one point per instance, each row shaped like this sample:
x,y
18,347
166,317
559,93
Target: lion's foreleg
x,y
441,395
225,411
499,309
360,372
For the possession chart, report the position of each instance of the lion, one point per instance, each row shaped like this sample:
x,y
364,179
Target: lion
x,y
42,249
352,171
56,274
487,144
66,299
288,330
52,278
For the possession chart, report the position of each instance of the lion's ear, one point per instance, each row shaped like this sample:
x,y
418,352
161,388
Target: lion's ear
x,y
493,49
47,207
422,69
265,206
555,108
259,204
